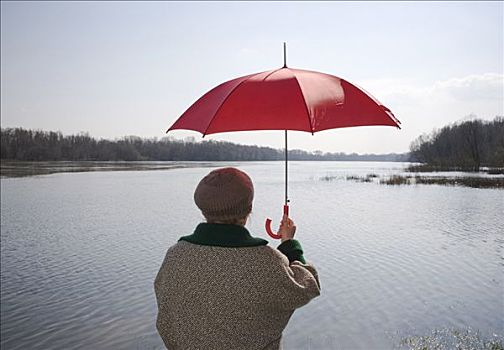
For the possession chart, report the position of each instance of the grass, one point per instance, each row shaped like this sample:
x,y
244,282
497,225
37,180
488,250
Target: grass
x,y
367,178
474,182
448,338
328,178
358,178
429,168
398,180
468,181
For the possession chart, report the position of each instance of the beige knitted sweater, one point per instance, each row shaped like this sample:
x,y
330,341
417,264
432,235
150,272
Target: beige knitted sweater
x,y
228,294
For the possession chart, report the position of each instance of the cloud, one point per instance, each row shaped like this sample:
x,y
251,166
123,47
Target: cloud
x,y
485,86
471,87
422,108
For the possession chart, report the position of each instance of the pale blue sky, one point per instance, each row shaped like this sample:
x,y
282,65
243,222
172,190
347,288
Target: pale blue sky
x,y
131,68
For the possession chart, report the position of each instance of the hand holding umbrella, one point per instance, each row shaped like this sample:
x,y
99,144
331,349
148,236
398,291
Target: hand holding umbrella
x,y
287,228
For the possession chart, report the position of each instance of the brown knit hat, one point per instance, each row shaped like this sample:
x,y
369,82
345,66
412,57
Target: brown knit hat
x,y
225,194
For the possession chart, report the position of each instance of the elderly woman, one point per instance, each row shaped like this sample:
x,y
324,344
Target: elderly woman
x,y
221,288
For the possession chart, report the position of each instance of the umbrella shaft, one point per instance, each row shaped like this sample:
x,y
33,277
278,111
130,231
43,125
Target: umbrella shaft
x,y
286,159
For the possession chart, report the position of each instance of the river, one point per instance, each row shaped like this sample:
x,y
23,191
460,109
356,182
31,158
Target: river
x,y
79,253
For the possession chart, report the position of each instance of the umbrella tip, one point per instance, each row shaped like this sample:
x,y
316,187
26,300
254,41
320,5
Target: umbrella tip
x,y
285,54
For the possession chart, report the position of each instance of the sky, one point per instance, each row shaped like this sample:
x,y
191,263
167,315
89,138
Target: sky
x,y
114,69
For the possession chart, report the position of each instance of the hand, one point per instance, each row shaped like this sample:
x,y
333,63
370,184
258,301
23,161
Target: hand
x,y
287,228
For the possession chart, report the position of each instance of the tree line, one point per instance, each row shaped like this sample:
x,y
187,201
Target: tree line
x,y
466,145
36,145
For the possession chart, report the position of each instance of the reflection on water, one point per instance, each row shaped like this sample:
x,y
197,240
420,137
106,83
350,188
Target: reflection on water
x,y
25,168
80,251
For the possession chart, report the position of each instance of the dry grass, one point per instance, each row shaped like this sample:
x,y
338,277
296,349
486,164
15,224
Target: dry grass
x,y
468,181
448,339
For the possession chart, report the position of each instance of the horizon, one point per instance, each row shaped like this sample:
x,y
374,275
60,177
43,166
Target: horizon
x,y
113,69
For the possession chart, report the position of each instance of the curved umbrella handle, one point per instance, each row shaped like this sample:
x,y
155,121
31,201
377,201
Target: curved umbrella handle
x,y
267,225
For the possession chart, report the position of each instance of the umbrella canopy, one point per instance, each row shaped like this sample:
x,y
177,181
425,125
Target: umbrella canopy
x,y
284,99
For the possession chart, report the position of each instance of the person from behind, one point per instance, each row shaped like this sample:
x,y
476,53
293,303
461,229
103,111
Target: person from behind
x,y
222,288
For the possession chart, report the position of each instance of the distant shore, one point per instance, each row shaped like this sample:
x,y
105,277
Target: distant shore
x,y
10,169
37,145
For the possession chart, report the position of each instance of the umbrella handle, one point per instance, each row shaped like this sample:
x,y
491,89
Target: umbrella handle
x,y
267,225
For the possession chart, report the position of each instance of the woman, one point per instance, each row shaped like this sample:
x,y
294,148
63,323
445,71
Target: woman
x,y
221,288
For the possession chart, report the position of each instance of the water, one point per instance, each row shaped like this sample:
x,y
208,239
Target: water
x,y
79,253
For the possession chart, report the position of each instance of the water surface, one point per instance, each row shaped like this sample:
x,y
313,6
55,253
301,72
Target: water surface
x,y
79,253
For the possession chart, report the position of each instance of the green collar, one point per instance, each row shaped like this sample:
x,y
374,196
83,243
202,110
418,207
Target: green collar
x,y
223,235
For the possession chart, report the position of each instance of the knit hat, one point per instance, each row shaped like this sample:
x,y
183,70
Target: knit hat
x,y
225,194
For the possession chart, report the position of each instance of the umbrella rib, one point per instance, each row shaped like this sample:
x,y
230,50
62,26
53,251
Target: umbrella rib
x,y
305,104
273,72
223,102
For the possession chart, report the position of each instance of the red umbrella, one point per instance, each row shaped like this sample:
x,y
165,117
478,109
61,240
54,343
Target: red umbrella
x,y
284,99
